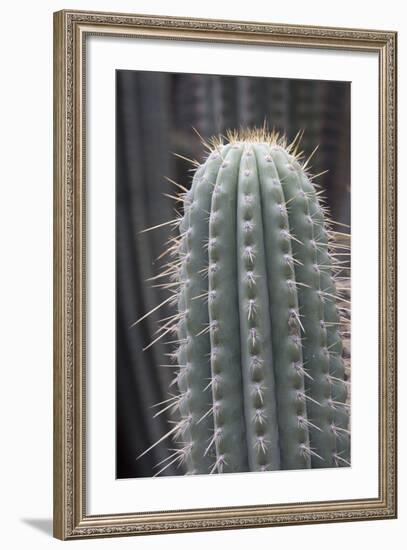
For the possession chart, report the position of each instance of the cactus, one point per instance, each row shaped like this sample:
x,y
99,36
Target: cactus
x,y
261,380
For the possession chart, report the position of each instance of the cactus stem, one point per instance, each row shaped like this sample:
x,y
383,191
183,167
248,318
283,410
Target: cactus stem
x,y
261,187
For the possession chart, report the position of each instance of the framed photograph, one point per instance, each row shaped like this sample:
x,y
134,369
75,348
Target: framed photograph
x,y
225,274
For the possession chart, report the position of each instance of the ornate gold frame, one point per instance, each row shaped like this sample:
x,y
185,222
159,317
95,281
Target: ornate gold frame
x,y
70,31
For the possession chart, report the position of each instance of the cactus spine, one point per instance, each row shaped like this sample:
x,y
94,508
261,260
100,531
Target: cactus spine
x,y
261,378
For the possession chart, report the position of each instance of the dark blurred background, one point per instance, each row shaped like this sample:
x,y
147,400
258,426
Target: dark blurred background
x,y
155,113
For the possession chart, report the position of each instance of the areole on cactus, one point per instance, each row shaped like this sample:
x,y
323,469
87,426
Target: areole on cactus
x,y
261,380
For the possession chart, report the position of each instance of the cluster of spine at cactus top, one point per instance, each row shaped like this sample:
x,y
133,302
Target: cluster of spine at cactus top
x,y
262,383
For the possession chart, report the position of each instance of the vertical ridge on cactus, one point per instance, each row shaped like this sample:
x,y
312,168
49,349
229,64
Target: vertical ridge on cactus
x,y
261,377
255,324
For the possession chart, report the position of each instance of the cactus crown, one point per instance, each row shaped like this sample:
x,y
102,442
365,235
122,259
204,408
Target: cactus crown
x,y
261,376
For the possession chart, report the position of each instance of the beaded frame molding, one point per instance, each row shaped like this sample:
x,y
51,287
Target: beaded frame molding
x,y
71,28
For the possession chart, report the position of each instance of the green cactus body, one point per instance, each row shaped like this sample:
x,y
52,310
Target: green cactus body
x,y
259,391
196,345
223,304
261,375
185,405
336,377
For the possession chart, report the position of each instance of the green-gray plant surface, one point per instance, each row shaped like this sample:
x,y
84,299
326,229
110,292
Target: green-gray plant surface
x,y
257,277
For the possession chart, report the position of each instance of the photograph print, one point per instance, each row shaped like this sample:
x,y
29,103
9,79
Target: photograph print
x,y
232,274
